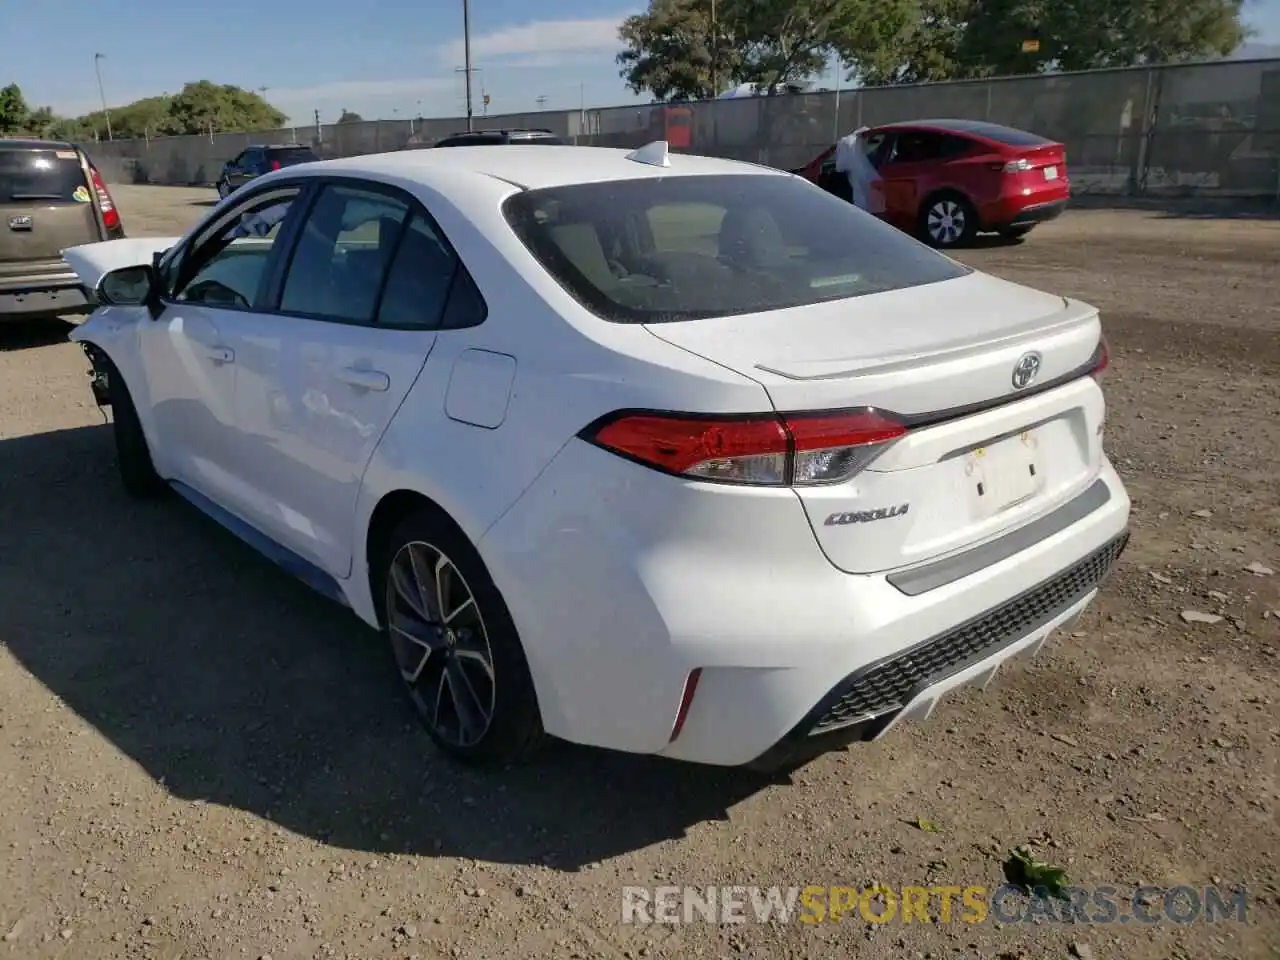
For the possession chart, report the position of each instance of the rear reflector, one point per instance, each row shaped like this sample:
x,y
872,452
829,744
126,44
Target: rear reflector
x,y
1101,359
110,215
764,450
686,701
275,164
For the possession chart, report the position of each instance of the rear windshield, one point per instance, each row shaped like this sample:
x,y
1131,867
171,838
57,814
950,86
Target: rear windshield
x,y
292,154
52,174
545,139
684,248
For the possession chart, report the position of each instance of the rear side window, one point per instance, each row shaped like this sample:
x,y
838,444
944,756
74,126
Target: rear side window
x,y
343,251
428,288
52,175
681,248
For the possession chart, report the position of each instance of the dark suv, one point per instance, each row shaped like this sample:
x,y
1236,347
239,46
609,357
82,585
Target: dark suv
x,y
478,138
255,161
51,198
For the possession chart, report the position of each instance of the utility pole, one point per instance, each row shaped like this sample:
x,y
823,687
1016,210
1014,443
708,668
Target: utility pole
x,y
466,53
715,53
319,135
97,60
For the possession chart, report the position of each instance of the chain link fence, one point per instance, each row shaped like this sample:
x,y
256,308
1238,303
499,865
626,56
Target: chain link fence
x,y
1204,130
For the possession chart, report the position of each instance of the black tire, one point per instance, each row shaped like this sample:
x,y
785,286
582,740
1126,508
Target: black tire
x,y
133,456
939,217
224,189
513,731
1015,233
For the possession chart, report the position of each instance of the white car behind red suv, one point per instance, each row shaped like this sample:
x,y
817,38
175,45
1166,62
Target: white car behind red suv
x,y
670,455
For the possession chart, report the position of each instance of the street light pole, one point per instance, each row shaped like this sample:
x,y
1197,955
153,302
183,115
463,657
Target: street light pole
x,y
97,61
466,53
715,53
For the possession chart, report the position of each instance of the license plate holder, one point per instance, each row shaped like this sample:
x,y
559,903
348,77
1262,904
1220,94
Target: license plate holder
x,y
1004,475
1051,173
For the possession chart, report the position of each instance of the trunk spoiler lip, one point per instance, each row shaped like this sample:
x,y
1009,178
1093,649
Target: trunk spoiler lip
x,y
1073,314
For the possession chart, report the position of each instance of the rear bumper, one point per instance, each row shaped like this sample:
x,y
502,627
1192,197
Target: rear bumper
x,y
1037,213
621,583
51,295
874,699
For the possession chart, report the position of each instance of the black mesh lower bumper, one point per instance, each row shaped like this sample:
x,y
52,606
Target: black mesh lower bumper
x,y
867,700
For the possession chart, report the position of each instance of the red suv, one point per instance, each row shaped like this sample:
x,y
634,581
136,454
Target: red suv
x,y
946,180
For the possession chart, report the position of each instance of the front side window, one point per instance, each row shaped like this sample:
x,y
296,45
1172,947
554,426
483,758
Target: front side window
x,y
344,249
681,248
227,269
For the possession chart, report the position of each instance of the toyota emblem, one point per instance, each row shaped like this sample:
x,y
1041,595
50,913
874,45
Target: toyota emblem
x,y
1025,370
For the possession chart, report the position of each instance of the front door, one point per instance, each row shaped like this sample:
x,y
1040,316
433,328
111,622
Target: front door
x,y
321,375
189,364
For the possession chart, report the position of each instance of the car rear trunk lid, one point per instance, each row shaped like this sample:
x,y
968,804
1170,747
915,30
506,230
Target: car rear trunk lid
x,y
981,455
46,203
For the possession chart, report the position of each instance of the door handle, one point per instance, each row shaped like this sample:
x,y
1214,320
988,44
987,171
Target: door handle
x,y
374,380
219,354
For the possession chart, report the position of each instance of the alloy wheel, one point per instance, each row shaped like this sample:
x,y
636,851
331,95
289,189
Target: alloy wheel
x,y
946,222
440,644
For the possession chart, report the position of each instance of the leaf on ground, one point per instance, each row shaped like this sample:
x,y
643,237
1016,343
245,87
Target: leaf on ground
x,y
928,826
1022,869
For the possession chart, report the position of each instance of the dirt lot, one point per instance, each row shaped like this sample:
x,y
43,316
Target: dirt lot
x,y
201,759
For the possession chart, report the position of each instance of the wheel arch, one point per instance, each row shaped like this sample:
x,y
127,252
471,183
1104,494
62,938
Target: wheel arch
x,y
388,513
939,193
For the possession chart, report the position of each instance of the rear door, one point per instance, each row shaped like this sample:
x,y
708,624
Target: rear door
x,y
321,375
910,170
46,204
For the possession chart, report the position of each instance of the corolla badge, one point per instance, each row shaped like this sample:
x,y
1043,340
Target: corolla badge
x,y
865,516
1025,370
21,222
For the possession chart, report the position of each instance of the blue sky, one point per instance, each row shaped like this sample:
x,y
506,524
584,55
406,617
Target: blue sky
x,y
380,58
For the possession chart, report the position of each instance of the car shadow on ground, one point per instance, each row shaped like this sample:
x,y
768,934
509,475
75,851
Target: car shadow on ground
x,y
29,334
206,203
231,683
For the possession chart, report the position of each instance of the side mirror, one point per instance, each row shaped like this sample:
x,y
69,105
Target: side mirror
x,y
134,286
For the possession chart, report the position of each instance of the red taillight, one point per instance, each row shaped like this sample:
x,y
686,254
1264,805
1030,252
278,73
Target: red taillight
x,y
766,449
110,215
686,701
275,164
1101,359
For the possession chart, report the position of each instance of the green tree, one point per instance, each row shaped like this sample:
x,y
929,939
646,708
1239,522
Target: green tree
x,y
670,48
668,51
348,116
1087,34
204,106
928,48
14,111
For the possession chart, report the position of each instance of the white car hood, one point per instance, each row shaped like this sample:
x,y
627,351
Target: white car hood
x,y
91,261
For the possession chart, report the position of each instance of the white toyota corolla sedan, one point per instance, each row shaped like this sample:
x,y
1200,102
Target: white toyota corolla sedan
x,y
660,453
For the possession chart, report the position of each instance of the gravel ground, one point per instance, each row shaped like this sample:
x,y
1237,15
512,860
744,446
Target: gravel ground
x,y
201,759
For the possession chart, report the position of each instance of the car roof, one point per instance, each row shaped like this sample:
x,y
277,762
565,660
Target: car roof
x,y
531,167
27,144
979,128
